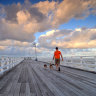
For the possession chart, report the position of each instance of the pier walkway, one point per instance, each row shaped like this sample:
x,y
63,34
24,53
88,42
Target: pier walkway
x,y
29,78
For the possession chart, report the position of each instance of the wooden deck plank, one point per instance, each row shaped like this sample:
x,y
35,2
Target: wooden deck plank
x,y
31,79
44,89
23,89
82,86
37,91
87,88
8,84
62,85
50,85
28,90
14,82
17,89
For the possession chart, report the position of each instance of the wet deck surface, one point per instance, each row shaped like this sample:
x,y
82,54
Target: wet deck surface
x,y
30,79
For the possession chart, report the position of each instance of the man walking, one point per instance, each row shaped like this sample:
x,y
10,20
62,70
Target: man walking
x,y
57,55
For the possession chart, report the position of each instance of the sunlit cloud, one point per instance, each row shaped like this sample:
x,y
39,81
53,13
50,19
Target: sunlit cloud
x,y
2,47
20,22
14,43
27,19
78,38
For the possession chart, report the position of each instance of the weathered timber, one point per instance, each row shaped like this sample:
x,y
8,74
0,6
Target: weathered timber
x,y
30,78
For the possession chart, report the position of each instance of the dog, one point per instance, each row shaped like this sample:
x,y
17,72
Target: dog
x,y
45,66
51,66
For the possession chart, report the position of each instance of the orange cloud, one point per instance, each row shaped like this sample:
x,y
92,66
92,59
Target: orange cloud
x,y
46,6
68,9
14,43
23,17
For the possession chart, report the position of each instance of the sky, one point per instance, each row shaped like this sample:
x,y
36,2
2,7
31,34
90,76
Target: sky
x,y
67,24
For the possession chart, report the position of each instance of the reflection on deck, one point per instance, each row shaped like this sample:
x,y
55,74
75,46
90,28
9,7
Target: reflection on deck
x,y
29,78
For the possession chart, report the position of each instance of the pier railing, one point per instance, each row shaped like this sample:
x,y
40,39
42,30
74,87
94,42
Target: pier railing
x,y
7,63
84,62
80,62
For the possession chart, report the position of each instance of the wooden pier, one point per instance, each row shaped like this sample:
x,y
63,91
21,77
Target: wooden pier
x,y
30,78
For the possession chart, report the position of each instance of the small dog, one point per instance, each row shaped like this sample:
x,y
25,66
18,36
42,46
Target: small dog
x,y
51,66
45,66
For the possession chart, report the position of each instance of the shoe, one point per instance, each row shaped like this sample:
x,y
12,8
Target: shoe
x,y
59,69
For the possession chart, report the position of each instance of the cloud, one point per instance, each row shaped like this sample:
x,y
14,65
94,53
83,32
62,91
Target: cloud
x,y
51,38
14,43
22,17
11,11
2,47
61,12
78,38
21,21
21,50
68,9
46,7
93,6
15,32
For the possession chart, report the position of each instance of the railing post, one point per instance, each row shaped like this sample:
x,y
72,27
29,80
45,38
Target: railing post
x,y
71,60
81,60
11,62
95,61
7,62
64,61
2,64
